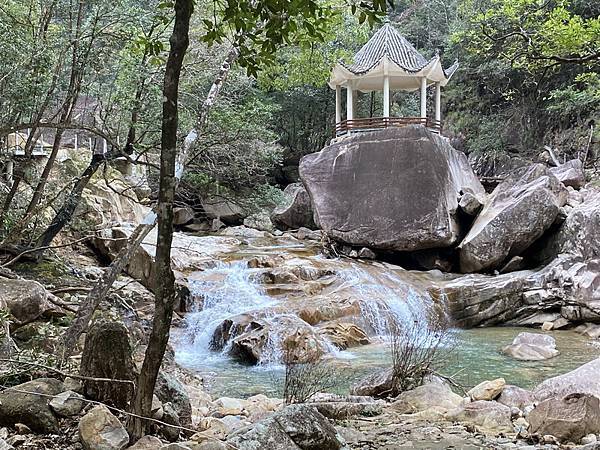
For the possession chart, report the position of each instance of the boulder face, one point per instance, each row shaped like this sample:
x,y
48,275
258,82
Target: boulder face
x,y
570,173
297,211
532,347
517,213
568,418
583,380
395,189
30,409
25,299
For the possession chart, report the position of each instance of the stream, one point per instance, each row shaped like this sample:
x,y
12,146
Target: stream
x,y
379,294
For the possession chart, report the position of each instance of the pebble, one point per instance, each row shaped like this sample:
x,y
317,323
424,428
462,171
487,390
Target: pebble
x,y
589,439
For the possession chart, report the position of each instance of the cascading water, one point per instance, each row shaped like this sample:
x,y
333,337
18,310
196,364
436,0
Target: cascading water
x,y
387,300
224,292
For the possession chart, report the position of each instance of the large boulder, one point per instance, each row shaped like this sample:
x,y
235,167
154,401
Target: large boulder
x,y
570,173
99,429
294,427
532,347
297,211
580,233
107,354
25,299
487,390
583,380
425,397
516,397
377,384
395,189
517,213
224,210
567,418
21,404
489,417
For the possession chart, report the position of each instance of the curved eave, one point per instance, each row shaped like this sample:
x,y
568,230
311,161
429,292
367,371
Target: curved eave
x,y
400,77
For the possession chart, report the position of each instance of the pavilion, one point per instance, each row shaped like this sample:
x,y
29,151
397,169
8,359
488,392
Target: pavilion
x,y
388,62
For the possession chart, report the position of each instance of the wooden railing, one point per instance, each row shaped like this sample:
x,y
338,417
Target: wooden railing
x,y
377,123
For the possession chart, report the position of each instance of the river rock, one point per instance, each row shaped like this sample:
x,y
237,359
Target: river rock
x,y
422,398
30,409
471,203
296,211
345,335
490,417
259,221
107,353
487,390
147,443
580,233
568,418
516,397
226,211
377,384
294,427
517,213
99,429
583,380
67,403
169,389
570,173
394,189
183,216
25,299
532,347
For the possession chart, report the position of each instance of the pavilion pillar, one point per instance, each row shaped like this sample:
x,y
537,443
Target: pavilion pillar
x,y
386,96
438,102
423,98
338,104
349,103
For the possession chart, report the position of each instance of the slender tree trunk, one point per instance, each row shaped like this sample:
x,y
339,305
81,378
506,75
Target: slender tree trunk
x,y
165,292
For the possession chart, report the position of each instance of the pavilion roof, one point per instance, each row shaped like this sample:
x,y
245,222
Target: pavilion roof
x,y
388,53
387,41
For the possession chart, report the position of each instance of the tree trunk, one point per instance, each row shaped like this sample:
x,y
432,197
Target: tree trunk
x,y
165,292
100,290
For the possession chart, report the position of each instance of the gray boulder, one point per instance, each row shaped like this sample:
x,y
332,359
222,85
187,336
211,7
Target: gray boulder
x,y
532,347
376,384
224,210
297,211
99,429
517,213
25,299
169,389
489,417
67,403
516,397
570,173
294,427
471,203
580,233
16,406
583,380
567,418
395,189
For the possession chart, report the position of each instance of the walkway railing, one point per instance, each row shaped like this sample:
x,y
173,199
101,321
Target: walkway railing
x,y
377,123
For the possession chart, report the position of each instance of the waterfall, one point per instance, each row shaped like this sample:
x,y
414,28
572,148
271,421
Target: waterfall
x,y
224,291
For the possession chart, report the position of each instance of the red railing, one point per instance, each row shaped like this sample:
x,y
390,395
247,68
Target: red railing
x,y
377,123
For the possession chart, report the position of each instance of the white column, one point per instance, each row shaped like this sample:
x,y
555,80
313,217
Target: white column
x,y
338,104
349,103
10,168
76,142
424,98
386,96
438,101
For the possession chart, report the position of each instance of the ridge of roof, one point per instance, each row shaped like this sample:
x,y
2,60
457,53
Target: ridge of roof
x,y
387,41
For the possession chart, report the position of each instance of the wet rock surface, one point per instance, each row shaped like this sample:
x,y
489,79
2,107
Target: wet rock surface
x,y
532,347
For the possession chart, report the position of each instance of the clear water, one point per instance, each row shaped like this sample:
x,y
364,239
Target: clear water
x,y
230,289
